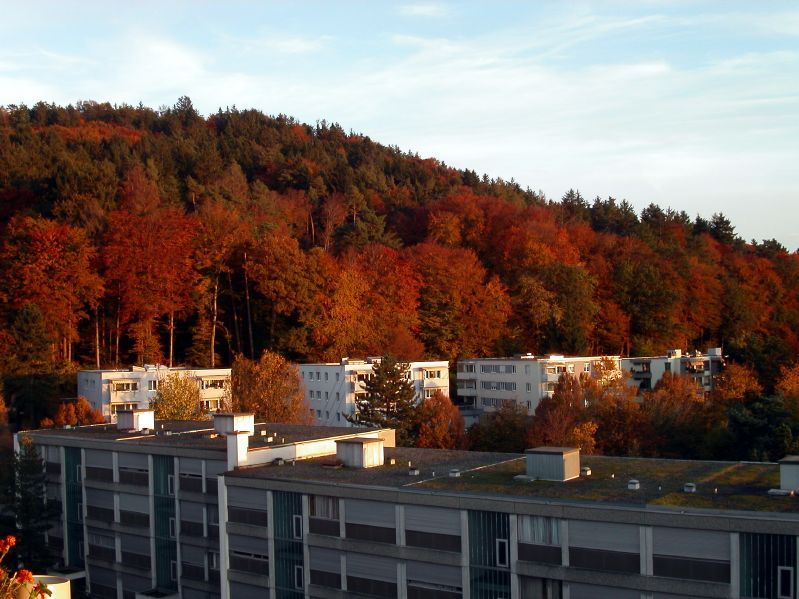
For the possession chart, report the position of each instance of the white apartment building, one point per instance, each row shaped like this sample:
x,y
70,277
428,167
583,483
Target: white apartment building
x,y
647,371
133,388
332,388
487,383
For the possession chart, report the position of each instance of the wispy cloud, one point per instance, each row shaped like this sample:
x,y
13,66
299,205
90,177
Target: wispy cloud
x,y
423,10
282,43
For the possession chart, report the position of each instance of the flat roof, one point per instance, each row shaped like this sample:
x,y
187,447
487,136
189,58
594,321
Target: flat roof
x,y
719,485
196,434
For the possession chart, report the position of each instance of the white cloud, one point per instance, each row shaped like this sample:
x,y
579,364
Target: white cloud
x,y
422,10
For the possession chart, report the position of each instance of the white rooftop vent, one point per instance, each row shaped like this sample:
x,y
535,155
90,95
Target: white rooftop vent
x,y
553,463
135,420
228,422
789,473
360,452
585,471
674,353
689,488
714,351
454,473
633,484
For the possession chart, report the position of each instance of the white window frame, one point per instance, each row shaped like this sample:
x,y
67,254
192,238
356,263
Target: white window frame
x,y
170,484
782,593
504,553
173,569
173,528
296,526
299,578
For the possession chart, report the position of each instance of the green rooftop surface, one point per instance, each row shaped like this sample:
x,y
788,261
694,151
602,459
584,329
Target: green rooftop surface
x,y
719,485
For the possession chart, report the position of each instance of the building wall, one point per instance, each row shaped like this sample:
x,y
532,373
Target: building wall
x,y
112,390
646,372
485,384
332,389
385,543
135,520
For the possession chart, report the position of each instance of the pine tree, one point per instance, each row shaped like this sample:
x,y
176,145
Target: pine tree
x,y
25,501
390,400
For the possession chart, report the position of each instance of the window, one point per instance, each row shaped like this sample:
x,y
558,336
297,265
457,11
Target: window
x,y
80,513
296,526
213,384
539,530
326,375
784,582
170,484
338,397
338,416
172,528
152,385
469,368
337,377
318,413
126,387
587,367
526,369
529,387
322,506
213,515
173,570
318,376
325,395
298,577
213,560
502,553
570,368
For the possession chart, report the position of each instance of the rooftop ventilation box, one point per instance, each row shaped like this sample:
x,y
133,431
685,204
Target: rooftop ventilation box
x,y
135,420
228,422
789,473
360,452
553,463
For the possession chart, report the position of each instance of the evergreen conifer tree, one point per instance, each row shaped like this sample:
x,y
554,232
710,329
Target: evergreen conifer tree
x,y
390,400
25,501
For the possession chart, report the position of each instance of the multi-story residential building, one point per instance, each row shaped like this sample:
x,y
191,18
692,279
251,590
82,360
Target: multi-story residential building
x,y
313,512
487,383
333,388
133,388
647,371
138,500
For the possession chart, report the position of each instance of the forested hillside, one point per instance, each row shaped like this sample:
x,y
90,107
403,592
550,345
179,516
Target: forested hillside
x,y
132,235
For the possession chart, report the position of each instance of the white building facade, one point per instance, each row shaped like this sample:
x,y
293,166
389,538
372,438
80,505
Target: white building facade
x,y
487,383
647,371
332,388
134,388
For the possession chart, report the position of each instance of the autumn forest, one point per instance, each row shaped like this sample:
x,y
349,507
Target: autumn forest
x,y
133,235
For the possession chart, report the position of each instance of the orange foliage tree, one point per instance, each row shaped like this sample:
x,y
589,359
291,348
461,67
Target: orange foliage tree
x,y
440,423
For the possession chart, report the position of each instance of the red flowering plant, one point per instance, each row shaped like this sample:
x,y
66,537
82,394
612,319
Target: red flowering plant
x,y
14,586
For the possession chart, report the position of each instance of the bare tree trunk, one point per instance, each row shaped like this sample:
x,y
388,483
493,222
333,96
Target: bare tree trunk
x,y
171,336
236,334
213,320
116,351
97,337
249,312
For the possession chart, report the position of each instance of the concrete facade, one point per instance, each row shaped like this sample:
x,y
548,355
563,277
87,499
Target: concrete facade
x,y
647,371
486,383
332,388
182,512
134,388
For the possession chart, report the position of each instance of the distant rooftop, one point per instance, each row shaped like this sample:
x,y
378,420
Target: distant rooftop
x,y
719,485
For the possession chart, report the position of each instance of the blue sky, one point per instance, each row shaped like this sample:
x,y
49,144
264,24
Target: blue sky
x,y
693,105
